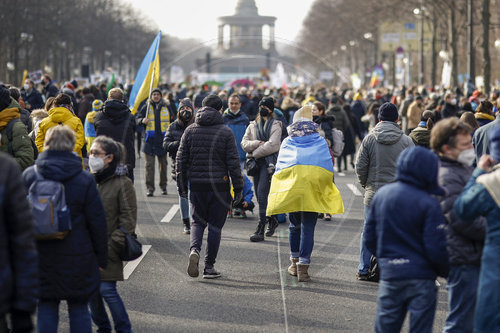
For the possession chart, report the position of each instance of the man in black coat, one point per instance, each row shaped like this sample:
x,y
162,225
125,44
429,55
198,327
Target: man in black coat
x,y
208,159
18,254
31,97
49,89
117,122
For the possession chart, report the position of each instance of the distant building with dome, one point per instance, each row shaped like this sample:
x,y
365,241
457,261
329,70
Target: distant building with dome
x,y
245,44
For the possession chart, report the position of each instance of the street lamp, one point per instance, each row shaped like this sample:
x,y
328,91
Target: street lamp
x,y
26,38
497,44
419,13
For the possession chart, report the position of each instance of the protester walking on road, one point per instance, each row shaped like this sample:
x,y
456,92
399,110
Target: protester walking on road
x,y
171,143
303,187
155,116
451,140
18,254
117,122
262,141
61,113
409,242
481,197
207,164
376,165
69,267
31,97
238,122
107,164
14,135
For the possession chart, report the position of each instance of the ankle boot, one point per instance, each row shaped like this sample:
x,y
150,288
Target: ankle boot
x,y
302,275
187,226
292,269
258,236
272,224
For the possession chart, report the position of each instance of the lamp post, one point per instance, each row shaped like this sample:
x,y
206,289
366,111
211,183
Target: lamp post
x,y
26,38
419,12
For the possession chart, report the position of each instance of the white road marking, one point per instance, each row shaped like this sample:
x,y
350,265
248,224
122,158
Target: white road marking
x,y
171,213
341,174
132,265
354,189
282,286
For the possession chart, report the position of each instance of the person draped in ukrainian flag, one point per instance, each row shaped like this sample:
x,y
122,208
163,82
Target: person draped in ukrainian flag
x,y
303,187
156,118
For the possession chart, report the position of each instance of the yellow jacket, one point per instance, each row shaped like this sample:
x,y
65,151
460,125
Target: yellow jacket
x,y
57,116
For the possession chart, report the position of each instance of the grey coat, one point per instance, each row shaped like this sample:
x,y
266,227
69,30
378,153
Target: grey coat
x,y
465,239
377,156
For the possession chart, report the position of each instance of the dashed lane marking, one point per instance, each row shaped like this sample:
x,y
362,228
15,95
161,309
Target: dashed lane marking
x,y
354,189
171,213
132,265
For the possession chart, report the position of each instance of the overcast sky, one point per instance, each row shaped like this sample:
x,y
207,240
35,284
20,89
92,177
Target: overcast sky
x,y
198,18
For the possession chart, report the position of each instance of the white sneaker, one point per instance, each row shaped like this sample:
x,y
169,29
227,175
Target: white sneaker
x,y
194,258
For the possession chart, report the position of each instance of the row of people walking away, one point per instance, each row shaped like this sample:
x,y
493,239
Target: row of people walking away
x,y
82,265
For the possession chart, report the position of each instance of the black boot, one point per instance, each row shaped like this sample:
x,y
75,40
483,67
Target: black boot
x,y
258,236
272,224
187,226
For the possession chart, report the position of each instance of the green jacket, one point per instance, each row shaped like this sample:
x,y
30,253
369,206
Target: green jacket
x,y
22,150
119,201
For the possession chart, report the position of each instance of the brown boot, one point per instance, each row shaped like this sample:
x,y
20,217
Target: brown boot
x,y
292,269
302,275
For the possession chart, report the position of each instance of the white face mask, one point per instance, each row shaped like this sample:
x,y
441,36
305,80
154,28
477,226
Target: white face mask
x,y
96,164
467,157
26,86
453,101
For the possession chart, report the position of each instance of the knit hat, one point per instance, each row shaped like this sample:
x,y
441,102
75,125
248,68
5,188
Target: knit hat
x,y
357,96
97,105
303,114
267,101
4,97
388,112
186,102
495,143
156,90
476,93
212,101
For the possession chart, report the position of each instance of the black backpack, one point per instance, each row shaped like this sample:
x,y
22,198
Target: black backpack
x,y
10,125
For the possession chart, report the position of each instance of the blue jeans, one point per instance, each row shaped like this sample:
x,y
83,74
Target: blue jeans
x,y
108,293
364,253
48,317
184,204
395,298
462,290
301,235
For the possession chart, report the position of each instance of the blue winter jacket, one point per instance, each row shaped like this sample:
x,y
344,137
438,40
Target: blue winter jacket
x,y
238,123
247,189
69,268
405,225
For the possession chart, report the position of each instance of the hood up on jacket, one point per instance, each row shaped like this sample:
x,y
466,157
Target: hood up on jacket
x,y
60,114
208,116
387,132
116,111
58,165
419,166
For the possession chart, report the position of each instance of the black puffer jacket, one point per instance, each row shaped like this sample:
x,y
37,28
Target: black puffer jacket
x,y
18,255
207,155
117,122
465,240
326,125
172,140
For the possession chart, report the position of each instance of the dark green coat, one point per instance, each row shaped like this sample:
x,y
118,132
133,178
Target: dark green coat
x,y
119,201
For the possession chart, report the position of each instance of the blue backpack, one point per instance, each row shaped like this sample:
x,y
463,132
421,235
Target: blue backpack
x,y
52,218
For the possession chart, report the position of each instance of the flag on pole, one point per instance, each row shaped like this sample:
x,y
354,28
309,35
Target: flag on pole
x,y
377,76
147,77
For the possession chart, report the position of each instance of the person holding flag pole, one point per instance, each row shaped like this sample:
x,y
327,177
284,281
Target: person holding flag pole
x,y
154,115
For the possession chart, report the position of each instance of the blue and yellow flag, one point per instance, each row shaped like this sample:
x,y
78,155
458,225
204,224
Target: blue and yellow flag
x,y
147,77
303,181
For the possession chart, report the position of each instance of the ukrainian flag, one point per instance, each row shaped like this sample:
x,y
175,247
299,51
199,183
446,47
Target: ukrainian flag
x,y
147,77
303,181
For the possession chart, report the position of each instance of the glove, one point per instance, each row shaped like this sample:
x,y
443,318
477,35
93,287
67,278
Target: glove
x,y
183,194
238,198
21,321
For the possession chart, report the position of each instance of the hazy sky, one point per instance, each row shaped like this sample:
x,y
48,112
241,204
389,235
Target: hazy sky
x,y
198,18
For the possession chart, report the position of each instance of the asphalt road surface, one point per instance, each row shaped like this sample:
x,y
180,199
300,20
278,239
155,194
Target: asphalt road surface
x,y
254,294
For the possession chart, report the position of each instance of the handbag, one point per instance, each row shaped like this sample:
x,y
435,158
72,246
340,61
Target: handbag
x,y
251,166
132,249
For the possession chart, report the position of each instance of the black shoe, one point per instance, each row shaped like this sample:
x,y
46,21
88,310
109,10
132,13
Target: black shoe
x,y
258,236
210,273
187,226
164,192
361,277
272,224
149,194
328,217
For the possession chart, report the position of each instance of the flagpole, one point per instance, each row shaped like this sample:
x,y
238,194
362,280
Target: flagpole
x,y
150,88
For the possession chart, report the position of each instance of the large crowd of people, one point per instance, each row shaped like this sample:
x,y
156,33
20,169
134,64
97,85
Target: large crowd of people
x,y
427,160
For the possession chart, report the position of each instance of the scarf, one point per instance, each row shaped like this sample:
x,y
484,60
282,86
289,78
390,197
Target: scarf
x,y
7,115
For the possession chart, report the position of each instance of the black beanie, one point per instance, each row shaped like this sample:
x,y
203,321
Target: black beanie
x,y
4,97
186,102
156,90
212,101
388,112
267,101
